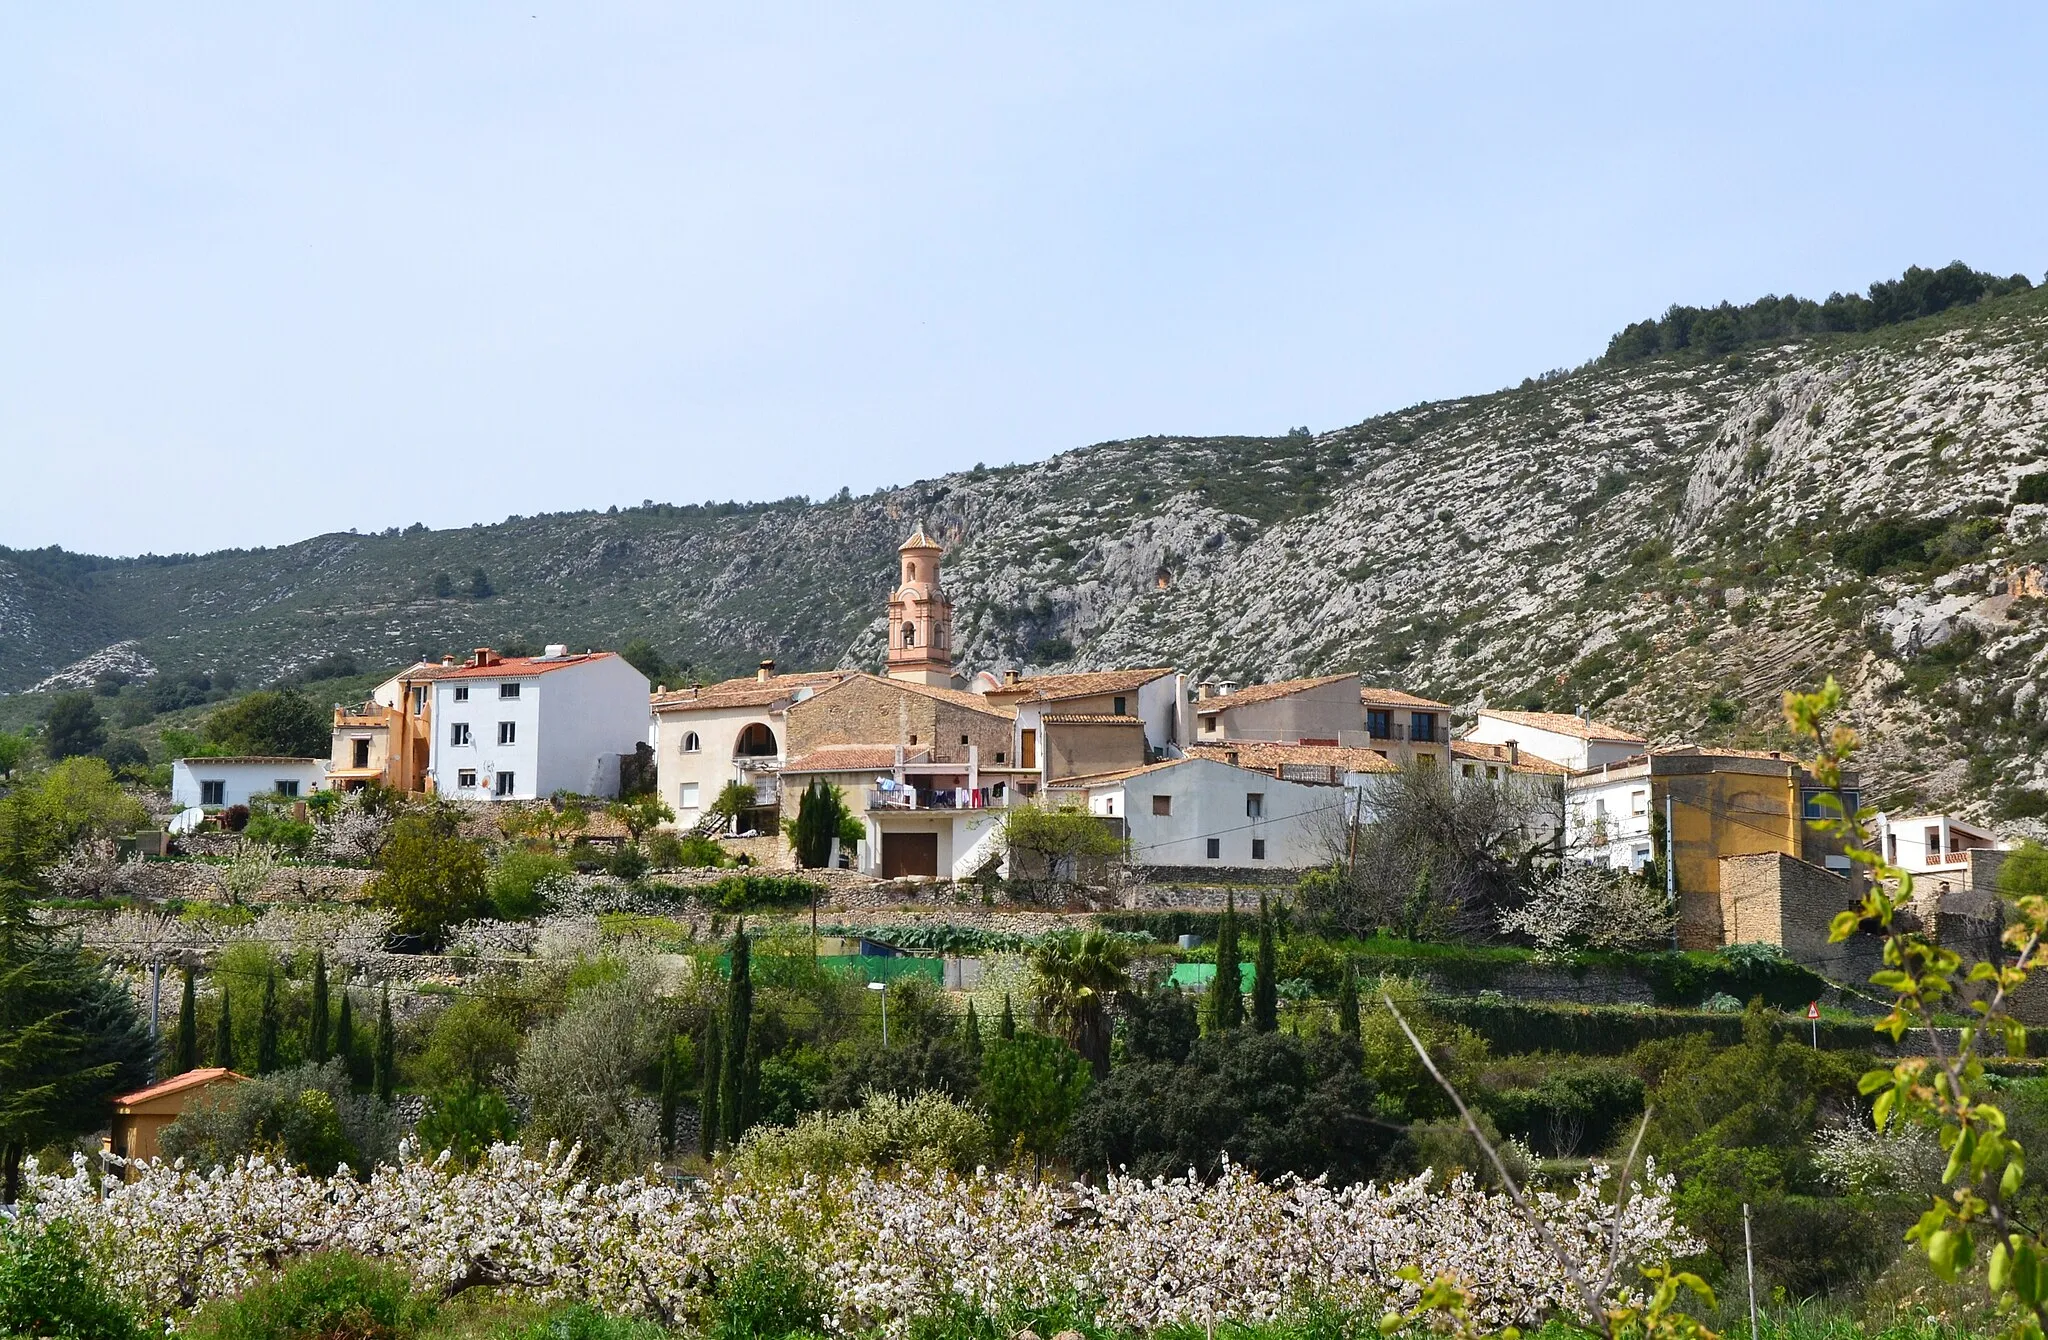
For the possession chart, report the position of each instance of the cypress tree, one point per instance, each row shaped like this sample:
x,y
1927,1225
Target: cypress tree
x,y
970,1032
384,1076
671,1097
1265,976
224,1034
186,1057
707,1101
316,1023
1006,1027
1347,1001
345,1034
266,1026
739,1015
1226,990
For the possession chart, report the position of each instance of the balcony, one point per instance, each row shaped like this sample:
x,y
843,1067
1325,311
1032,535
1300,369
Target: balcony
x,y
1382,732
907,798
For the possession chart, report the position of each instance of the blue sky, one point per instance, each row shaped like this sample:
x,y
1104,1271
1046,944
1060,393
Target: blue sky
x,y
268,271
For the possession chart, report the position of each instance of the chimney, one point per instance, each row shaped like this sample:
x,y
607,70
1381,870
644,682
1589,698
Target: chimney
x,y
448,660
1010,677
1226,688
1514,754
480,657
766,671
1204,691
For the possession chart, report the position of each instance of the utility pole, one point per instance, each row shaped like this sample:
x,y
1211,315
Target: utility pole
x,y
156,997
1749,1260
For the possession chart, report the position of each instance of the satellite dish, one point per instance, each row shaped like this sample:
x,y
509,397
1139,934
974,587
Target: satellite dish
x,y
185,821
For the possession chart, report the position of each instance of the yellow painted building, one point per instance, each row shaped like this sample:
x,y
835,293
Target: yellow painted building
x,y
1722,802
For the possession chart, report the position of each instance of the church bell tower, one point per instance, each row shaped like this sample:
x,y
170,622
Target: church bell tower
x,y
920,616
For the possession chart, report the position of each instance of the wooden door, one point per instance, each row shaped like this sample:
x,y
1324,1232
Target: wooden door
x,y
909,854
1027,750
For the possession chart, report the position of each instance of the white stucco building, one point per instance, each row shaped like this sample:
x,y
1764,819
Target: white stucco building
x,y
707,736
525,727
1931,844
1202,812
1577,743
216,783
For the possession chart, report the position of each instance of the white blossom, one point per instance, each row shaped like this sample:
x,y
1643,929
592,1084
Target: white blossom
x,y
885,1247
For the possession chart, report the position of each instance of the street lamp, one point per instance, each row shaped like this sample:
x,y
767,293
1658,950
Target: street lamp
x,y
883,987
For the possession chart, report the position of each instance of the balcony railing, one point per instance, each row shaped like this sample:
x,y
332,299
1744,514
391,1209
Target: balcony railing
x,y
955,798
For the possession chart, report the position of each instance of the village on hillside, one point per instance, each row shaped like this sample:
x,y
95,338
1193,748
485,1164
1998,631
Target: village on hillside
x,y
1197,785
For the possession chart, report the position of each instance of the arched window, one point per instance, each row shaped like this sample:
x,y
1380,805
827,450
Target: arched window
x,y
755,741
909,634
911,569
691,744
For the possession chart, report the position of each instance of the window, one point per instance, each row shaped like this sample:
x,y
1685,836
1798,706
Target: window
x,y
1470,770
213,793
1425,760
910,635
1422,725
1215,849
359,753
419,699
1208,721
1162,805
1258,849
1813,809
1639,803
462,693
691,744
1117,706
466,779
508,690
963,739
913,739
508,732
504,787
1379,723
686,796
286,786
458,732
999,758
1599,809
1254,804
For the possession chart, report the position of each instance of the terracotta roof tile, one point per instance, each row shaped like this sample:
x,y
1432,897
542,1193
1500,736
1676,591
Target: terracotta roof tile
x,y
1271,754
520,667
1564,723
1396,698
1081,684
249,758
177,1084
1090,719
1260,693
1498,753
747,691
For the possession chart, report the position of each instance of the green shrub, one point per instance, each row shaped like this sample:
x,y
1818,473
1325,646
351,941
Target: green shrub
x,y
524,882
2032,488
670,850
49,1288
769,1298
748,893
1579,1110
276,828
332,1296
627,861
927,1130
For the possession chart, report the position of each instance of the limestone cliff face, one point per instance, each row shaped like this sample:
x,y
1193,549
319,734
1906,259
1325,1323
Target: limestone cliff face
x,y
1654,541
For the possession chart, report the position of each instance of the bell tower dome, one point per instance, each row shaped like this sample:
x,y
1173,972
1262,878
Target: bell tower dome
x,y
920,616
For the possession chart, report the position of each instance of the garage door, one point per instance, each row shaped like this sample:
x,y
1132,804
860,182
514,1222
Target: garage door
x,y
909,854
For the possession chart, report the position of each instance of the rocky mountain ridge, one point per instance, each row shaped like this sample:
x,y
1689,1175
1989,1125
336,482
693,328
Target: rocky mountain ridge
x,y
1672,542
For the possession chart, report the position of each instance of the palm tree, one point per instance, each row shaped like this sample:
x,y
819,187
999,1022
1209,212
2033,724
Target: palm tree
x,y
1077,975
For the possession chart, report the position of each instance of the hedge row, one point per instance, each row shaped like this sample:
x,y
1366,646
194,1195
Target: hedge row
x,y
1514,1026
